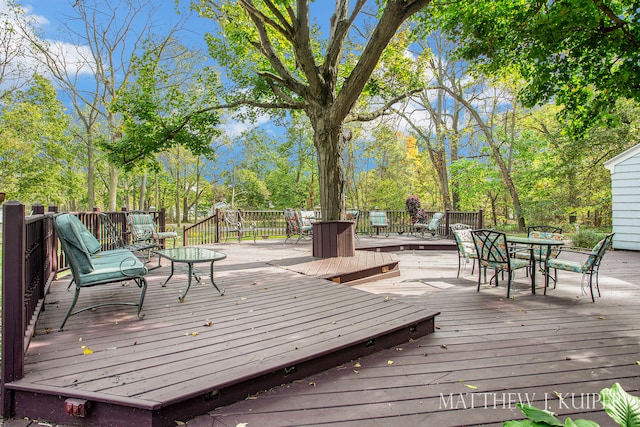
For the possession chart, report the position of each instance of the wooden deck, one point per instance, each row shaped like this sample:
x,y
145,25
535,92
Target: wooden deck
x,y
487,353
273,325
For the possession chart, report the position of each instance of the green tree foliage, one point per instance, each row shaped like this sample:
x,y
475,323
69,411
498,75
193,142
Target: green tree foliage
x,y
386,169
584,54
35,162
165,106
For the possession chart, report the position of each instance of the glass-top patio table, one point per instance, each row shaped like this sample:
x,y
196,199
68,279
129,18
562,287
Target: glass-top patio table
x,y
190,256
545,248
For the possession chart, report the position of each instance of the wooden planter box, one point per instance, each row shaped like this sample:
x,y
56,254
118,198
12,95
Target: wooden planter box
x,y
333,239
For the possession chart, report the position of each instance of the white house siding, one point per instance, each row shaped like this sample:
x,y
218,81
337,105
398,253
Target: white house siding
x,y
625,192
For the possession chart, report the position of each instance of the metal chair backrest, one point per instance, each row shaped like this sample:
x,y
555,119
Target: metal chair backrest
x,y
597,253
378,219
492,249
544,229
293,221
460,226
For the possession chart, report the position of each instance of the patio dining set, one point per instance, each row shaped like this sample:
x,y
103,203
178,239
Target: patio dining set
x,y
544,250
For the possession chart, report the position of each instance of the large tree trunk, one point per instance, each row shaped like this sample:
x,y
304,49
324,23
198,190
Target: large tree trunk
x,y
331,174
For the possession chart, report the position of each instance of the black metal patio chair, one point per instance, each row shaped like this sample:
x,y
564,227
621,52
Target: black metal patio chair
x,y
588,267
493,252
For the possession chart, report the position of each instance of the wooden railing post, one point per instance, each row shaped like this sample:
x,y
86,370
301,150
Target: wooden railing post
x,y
218,225
13,289
54,247
447,222
480,219
162,220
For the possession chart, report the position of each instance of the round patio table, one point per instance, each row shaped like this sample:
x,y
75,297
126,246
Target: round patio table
x,y
190,256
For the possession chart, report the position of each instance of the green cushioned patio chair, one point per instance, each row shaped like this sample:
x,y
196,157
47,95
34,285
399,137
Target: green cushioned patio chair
x,y
466,248
92,267
429,227
143,229
144,249
296,226
378,220
542,253
588,267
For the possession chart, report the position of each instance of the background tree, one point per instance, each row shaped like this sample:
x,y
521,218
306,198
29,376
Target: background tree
x,y
36,163
108,34
582,54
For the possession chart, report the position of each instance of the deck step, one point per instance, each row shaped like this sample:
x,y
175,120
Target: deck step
x,y
369,275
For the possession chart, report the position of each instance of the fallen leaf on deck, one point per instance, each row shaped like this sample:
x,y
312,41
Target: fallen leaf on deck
x,y
443,346
601,318
312,384
194,334
87,350
472,387
357,365
389,362
241,425
399,348
209,323
180,423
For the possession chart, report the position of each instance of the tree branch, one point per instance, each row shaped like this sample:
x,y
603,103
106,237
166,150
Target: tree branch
x,y
284,28
395,13
267,49
619,23
367,117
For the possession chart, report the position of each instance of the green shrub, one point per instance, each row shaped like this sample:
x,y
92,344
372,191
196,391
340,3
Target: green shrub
x,y
585,238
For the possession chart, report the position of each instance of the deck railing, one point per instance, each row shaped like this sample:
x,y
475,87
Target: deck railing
x,y
271,223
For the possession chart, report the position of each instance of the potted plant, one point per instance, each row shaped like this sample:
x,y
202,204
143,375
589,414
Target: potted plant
x,y
412,205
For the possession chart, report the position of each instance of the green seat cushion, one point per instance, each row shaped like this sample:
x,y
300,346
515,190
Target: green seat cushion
x,y
113,267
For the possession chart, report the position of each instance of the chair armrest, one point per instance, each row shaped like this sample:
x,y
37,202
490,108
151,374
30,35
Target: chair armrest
x,y
576,250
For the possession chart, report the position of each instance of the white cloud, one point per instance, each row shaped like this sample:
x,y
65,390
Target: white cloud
x,y
76,59
234,128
